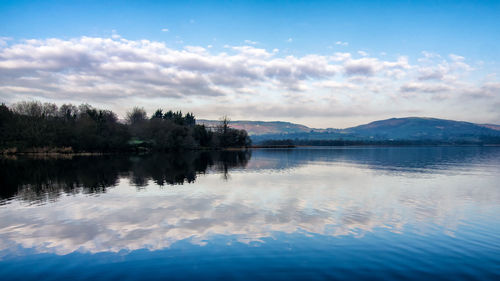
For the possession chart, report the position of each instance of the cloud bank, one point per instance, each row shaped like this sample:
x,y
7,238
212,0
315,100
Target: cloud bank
x,y
245,80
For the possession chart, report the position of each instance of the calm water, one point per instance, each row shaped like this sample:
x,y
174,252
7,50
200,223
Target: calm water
x,y
326,213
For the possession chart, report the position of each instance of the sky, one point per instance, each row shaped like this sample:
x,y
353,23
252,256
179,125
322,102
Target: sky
x,y
319,63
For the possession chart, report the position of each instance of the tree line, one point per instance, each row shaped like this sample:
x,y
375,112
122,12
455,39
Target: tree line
x,y
34,126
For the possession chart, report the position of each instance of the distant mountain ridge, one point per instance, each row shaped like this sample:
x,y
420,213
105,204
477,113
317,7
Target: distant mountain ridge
x,y
418,128
490,126
408,128
262,127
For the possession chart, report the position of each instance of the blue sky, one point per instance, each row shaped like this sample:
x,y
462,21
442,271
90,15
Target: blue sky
x,y
380,32
469,28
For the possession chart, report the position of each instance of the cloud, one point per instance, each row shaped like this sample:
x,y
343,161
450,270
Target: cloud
x,y
488,90
367,66
252,51
289,40
427,73
164,30
336,85
435,67
456,57
4,40
363,53
99,69
426,88
340,43
117,71
361,67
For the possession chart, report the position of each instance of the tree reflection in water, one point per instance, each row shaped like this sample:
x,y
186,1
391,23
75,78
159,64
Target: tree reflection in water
x,y
37,179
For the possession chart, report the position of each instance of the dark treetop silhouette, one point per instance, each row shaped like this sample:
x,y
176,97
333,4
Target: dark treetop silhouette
x,y
37,127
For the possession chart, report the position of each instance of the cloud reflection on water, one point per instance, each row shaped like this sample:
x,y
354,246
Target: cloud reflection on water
x,y
327,192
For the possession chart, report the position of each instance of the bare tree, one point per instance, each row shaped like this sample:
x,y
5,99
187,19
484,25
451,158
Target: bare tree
x,y
224,124
137,115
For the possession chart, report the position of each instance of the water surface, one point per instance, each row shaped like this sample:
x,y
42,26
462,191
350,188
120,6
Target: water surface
x,y
319,213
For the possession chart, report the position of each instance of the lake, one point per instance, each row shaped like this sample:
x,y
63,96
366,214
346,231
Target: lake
x,y
277,214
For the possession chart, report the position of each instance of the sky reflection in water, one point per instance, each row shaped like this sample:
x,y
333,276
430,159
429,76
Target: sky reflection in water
x,y
373,205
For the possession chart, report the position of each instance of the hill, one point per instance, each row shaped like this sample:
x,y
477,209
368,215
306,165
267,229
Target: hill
x,y
418,128
490,126
397,129
262,127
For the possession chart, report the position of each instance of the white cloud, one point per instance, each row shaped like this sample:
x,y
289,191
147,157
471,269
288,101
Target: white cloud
x,y
4,40
456,57
432,73
289,40
118,71
336,85
195,49
435,67
252,51
370,66
363,53
164,30
426,88
365,66
342,43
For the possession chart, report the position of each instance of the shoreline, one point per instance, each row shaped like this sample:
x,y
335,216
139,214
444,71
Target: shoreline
x,y
56,153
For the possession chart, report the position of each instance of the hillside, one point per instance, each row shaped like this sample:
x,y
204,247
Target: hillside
x,y
490,126
418,128
262,127
409,128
